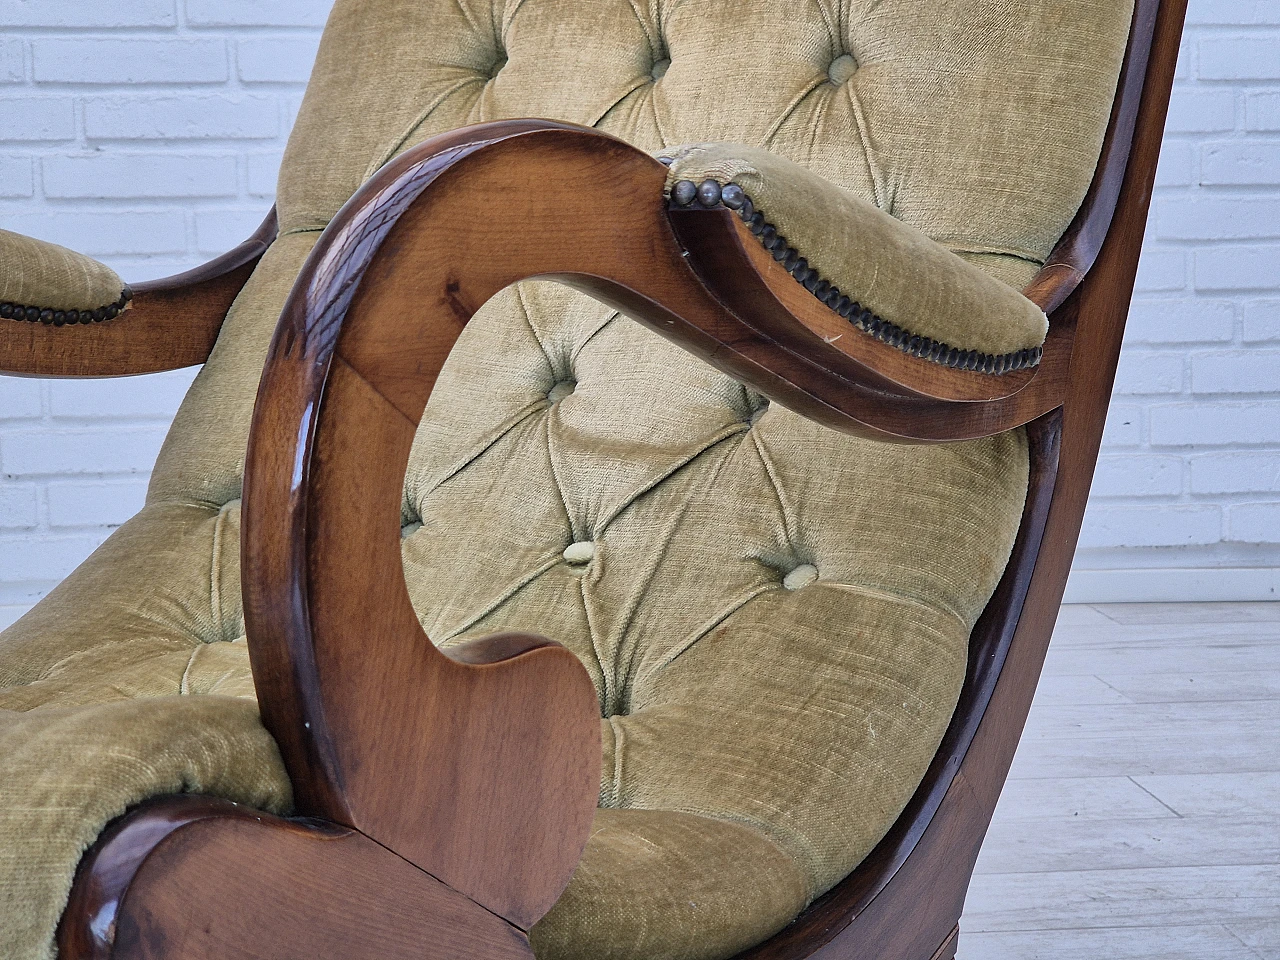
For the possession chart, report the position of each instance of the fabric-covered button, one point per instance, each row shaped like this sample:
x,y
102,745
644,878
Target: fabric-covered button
x,y
659,68
799,577
842,69
561,390
581,552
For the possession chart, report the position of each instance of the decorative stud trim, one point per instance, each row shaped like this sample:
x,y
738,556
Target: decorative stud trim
x,y
62,318
710,194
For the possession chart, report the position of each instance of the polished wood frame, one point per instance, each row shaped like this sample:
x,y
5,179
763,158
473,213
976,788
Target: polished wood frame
x,y
444,798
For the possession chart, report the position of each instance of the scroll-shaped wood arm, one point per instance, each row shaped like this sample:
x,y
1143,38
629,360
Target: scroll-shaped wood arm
x,y
168,323
480,765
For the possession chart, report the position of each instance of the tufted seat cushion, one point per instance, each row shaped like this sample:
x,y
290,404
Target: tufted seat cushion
x,y
775,616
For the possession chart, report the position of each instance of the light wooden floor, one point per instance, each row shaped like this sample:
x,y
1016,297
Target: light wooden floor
x,y
1142,814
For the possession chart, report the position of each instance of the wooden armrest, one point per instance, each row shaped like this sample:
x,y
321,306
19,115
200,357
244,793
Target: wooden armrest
x,y
481,765
168,324
849,379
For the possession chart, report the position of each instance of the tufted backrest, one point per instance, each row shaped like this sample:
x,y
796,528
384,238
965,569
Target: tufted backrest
x,y
976,121
776,616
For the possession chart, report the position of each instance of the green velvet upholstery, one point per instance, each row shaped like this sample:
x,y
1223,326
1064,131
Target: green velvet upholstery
x,y
775,615
44,277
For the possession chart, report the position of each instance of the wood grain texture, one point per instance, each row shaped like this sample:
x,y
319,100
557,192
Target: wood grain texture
x,y
481,767
193,878
169,323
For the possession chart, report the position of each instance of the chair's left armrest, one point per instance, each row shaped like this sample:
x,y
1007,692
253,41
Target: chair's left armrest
x,y
63,314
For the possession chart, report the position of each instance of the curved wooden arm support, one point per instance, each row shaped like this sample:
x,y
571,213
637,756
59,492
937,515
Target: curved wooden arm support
x,y
380,730
480,767
169,323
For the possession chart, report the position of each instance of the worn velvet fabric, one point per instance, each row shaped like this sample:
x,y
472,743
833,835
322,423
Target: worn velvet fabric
x,y
775,615
44,275
891,269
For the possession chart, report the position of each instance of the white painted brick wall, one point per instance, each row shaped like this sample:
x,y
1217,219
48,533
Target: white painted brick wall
x,y
1184,502
148,133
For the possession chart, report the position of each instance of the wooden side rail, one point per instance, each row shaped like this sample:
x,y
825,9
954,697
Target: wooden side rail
x,y
169,323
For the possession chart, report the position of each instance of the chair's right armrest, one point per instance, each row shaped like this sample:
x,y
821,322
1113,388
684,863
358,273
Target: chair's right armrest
x,y
63,314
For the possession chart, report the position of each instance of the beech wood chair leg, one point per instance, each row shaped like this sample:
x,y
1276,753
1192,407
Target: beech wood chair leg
x,y
193,878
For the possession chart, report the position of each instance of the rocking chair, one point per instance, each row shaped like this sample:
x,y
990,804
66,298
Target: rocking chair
x,y
785,434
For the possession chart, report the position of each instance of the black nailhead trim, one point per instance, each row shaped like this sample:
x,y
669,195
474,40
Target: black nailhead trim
x,y
33,314
112,312
684,192
46,316
915,345
666,161
6,311
709,193
127,293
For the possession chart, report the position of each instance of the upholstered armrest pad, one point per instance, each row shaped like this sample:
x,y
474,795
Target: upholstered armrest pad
x,y
47,283
877,262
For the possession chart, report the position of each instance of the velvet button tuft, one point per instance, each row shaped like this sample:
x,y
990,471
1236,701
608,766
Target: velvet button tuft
x,y
800,577
560,390
842,69
579,553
